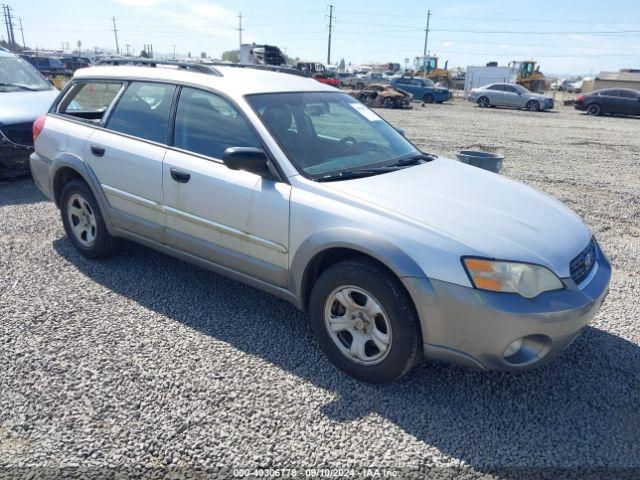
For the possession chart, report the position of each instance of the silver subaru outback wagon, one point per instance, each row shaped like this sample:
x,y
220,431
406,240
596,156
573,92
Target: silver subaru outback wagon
x,y
296,188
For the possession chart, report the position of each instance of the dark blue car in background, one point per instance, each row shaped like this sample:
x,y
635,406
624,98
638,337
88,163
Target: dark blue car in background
x,y
422,89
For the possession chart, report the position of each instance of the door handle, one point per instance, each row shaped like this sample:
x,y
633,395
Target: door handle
x,y
97,150
180,175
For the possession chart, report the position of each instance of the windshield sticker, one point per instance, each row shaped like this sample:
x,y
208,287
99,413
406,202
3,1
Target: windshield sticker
x,y
365,112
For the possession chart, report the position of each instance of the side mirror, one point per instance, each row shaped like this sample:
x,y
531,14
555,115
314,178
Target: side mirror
x,y
401,131
249,159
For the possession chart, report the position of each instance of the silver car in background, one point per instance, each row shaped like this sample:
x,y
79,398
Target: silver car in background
x,y
296,188
510,95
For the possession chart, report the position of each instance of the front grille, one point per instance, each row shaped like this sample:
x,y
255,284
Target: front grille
x,y
20,133
584,262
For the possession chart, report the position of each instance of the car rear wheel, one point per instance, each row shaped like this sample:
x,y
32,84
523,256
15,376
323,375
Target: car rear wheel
x,y
594,109
533,106
365,322
388,103
428,98
484,102
83,221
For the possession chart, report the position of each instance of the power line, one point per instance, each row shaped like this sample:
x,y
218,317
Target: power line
x,y
330,30
115,33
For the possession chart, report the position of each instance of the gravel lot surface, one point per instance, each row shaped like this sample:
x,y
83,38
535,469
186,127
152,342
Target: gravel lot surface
x,y
147,364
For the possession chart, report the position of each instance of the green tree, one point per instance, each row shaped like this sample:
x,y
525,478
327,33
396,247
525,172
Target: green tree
x,y
232,56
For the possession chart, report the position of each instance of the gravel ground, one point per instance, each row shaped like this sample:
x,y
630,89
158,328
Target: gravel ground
x,y
149,365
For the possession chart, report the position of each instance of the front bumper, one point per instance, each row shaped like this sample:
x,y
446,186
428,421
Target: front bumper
x,y
14,158
474,327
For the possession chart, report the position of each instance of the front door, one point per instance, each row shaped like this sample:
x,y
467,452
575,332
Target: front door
x,y
232,218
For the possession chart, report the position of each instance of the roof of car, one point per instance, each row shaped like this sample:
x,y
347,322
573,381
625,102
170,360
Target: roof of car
x,y
231,80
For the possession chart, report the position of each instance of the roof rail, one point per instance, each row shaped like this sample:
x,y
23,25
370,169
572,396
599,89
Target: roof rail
x,y
149,62
272,68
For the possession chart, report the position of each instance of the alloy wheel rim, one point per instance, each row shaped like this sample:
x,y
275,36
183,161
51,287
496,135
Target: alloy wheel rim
x,y
358,325
82,220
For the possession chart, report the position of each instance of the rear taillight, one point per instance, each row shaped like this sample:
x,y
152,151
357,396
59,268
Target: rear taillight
x,y
580,98
38,125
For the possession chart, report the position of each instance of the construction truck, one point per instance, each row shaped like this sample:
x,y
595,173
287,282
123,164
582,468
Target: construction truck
x,y
427,67
530,76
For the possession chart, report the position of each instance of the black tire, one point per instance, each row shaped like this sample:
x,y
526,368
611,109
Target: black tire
x,y
533,106
405,347
483,102
389,103
103,244
428,98
594,109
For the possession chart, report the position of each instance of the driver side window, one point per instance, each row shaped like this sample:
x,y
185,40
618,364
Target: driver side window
x,y
143,111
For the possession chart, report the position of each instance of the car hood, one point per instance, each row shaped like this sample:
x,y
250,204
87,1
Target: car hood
x,y
485,213
23,106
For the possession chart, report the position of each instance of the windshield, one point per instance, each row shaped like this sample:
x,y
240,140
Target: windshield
x,y
325,133
16,74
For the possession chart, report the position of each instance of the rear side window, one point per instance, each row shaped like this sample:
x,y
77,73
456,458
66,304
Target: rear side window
x,y
89,100
499,88
628,94
143,111
609,93
208,124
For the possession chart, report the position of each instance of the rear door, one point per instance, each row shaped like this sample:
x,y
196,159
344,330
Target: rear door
x,y
609,101
232,218
127,155
496,95
629,102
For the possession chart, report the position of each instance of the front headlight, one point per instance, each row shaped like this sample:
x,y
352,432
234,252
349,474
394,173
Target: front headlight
x,y
523,278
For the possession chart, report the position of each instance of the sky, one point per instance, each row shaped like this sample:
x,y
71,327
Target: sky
x,y
564,36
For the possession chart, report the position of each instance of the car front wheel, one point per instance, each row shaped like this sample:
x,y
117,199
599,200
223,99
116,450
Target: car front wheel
x,y
83,221
365,322
533,106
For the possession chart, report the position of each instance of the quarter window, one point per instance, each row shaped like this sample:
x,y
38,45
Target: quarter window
x,y
143,111
208,124
90,100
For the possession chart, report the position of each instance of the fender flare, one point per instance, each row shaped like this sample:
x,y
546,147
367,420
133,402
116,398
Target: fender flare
x,y
76,163
386,252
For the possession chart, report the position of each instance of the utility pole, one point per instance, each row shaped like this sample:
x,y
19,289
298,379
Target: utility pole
x,y
426,38
240,30
128,51
22,33
115,33
7,20
330,30
174,52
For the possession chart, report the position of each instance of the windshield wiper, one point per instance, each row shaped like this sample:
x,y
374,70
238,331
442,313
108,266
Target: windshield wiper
x,y
21,87
354,173
415,159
